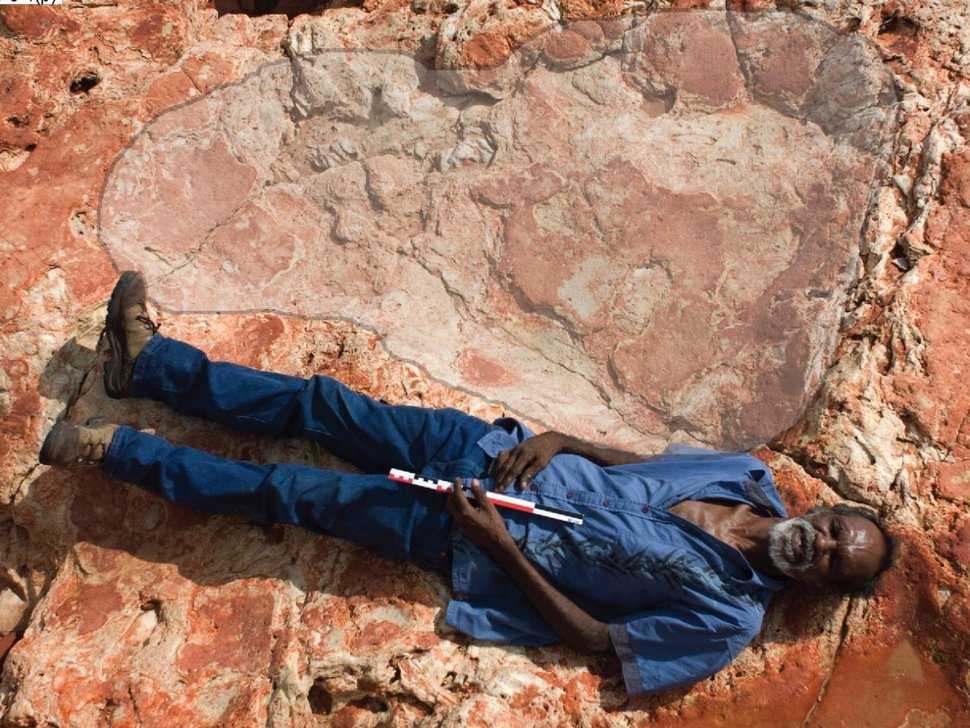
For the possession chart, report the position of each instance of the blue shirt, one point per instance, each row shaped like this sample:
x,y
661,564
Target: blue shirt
x,y
680,603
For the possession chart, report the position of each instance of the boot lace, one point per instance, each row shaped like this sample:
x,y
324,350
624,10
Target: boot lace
x,y
93,451
143,318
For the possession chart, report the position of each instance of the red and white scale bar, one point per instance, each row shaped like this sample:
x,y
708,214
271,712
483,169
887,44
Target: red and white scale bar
x,y
499,499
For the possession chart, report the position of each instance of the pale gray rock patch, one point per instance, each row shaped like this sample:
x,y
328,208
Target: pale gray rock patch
x,y
652,240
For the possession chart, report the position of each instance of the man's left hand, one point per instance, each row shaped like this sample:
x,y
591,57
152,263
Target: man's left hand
x,y
479,521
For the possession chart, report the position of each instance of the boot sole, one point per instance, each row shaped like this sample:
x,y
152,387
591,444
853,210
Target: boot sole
x,y
114,368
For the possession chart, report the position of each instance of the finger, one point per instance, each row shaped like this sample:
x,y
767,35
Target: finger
x,y
499,480
521,459
451,503
481,498
500,468
502,485
527,472
469,495
457,502
506,472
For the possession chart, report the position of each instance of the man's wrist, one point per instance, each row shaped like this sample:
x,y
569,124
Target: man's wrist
x,y
567,443
503,549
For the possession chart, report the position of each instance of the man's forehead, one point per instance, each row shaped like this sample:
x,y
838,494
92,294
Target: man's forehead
x,y
862,543
863,531
846,519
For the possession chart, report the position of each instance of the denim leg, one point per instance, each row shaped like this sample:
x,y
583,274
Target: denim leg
x,y
396,521
373,436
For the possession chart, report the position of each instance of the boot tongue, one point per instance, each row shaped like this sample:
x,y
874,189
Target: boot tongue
x,y
138,330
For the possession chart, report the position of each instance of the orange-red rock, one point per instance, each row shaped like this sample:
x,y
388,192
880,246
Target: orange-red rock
x,y
139,613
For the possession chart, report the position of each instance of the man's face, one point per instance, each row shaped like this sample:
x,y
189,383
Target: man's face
x,y
824,546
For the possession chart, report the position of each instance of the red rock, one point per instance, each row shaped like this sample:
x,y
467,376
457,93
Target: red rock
x,y
597,249
22,113
486,50
781,68
955,182
799,491
231,630
481,370
911,688
591,30
41,23
208,70
374,635
938,404
575,9
169,90
565,46
90,608
130,588
161,35
6,642
957,543
696,58
173,211
259,335
951,480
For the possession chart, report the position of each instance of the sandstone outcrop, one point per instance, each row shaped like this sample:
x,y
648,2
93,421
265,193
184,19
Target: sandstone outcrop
x,y
464,205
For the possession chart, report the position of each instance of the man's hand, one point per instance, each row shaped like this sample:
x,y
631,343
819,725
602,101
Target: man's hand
x,y
483,525
526,459
481,521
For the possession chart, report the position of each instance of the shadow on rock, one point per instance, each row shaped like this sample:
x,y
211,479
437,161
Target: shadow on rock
x,y
66,376
212,582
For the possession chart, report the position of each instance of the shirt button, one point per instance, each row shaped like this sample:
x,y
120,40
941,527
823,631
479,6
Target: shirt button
x,y
606,502
571,494
645,509
533,487
461,596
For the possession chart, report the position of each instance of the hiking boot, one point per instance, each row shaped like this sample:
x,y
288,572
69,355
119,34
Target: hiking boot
x,y
69,445
128,329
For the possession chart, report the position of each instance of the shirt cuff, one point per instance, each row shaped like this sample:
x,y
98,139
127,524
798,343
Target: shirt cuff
x,y
628,660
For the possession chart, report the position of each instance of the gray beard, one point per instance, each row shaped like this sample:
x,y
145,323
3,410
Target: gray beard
x,y
781,542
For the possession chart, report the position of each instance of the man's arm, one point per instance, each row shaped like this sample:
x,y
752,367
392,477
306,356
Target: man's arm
x,y
484,526
528,458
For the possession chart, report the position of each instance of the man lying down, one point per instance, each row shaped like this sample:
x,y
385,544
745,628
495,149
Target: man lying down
x,y
671,569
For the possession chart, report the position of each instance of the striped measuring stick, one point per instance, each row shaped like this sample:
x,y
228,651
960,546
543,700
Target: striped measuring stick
x,y
505,501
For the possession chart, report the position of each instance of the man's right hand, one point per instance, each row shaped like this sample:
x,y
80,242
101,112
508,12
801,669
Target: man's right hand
x,y
526,459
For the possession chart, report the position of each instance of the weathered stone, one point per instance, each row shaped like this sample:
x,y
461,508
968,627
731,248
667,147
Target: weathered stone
x,y
125,610
607,249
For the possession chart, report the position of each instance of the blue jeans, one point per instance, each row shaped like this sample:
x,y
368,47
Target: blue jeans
x,y
395,520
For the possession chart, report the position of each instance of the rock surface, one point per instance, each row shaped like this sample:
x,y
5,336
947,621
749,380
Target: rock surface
x,y
227,157
599,230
